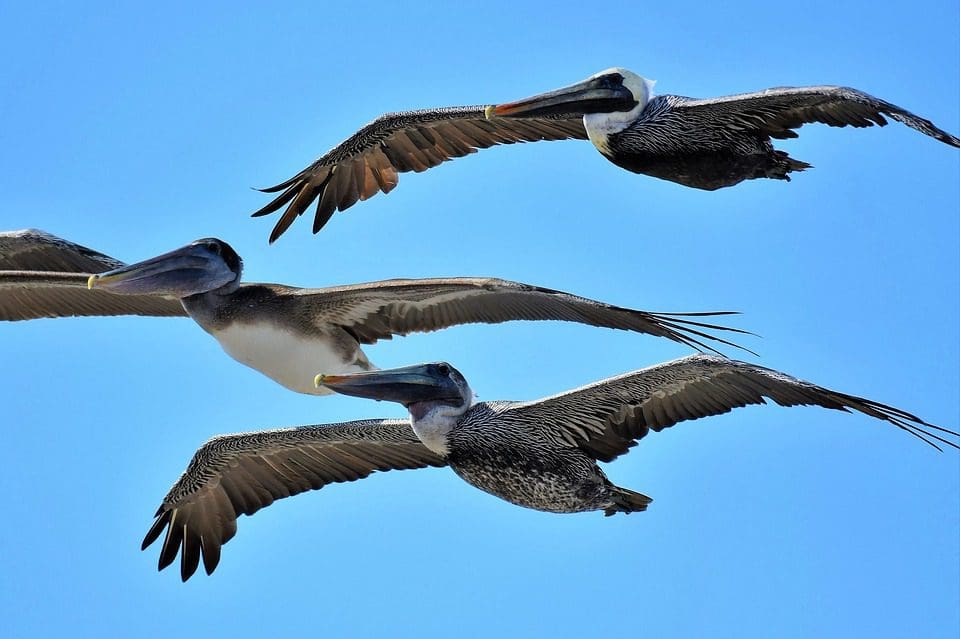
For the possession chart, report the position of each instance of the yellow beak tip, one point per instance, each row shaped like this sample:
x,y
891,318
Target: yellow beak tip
x,y
91,281
318,380
488,112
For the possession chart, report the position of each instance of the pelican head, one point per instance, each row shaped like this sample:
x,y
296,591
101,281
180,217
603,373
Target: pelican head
x,y
614,90
199,267
609,101
422,388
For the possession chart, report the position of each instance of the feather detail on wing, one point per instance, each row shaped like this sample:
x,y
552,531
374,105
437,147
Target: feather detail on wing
x,y
379,310
606,418
775,112
369,161
239,474
42,275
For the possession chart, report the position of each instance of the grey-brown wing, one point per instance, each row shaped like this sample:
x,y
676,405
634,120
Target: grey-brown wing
x,y
239,474
379,310
370,160
42,275
26,295
36,250
605,419
775,112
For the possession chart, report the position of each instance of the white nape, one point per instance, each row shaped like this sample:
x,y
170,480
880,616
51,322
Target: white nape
x,y
600,126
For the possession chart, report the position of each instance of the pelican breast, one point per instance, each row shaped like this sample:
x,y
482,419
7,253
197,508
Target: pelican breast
x,y
290,357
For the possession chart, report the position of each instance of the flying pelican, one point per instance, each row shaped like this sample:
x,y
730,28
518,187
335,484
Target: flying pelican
x,y
541,454
284,332
706,144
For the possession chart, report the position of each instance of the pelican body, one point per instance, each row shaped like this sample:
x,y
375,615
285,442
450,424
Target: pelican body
x,y
539,454
284,332
491,450
706,144
490,445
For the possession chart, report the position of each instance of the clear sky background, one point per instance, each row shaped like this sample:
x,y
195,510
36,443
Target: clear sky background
x,y
136,131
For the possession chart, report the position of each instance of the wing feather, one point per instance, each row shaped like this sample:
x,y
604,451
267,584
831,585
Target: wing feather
x,y
775,112
42,275
396,143
607,418
379,310
36,250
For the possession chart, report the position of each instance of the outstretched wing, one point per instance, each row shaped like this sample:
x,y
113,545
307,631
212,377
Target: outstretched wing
x,y
42,275
775,112
379,310
36,250
370,160
605,419
240,474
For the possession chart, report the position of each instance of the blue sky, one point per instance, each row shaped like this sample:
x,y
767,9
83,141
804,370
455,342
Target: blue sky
x,y
136,131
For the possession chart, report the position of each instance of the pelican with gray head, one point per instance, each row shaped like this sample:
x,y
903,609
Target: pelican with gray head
x,y
540,454
284,332
706,144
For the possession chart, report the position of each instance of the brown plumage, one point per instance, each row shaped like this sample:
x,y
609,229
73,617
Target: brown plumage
x,y
240,474
42,275
371,160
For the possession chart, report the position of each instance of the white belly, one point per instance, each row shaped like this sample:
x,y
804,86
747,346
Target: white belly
x,y
283,356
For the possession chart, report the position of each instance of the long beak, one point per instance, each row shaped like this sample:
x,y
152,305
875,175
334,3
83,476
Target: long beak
x,y
589,96
408,385
164,274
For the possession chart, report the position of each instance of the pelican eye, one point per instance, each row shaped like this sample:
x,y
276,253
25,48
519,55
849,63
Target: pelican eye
x,y
214,247
443,369
612,81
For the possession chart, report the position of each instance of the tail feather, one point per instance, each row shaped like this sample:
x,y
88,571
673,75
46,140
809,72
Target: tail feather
x,y
796,165
627,501
782,165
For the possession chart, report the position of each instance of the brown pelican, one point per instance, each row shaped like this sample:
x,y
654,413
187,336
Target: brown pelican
x,y
540,454
284,332
706,144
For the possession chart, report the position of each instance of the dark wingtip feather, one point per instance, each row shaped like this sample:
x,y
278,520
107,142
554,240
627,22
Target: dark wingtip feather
x,y
278,229
702,314
211,555
278,187
323,215
275,204
158,525
682,330
272,207
927,434
189,555
171,543
288,217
